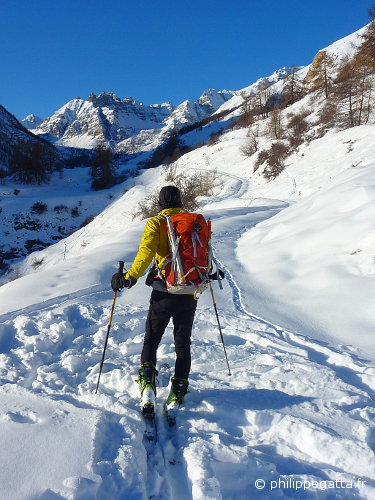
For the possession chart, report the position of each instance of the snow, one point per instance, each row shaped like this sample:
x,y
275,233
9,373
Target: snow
x,y
295,419
35,428
297,407
315,252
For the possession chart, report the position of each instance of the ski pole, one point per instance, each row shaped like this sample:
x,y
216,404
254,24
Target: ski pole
x,y
218,322
120,270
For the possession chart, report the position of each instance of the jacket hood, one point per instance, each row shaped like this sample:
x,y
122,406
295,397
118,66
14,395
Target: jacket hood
x,y
170,211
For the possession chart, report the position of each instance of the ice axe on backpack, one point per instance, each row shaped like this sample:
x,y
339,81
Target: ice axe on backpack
x,y
218,323
120,270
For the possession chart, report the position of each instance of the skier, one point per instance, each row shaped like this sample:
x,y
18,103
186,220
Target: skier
x,y
163,307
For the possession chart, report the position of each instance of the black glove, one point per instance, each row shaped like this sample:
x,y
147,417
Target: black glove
x,y
118,282
219,275
153,272
131,281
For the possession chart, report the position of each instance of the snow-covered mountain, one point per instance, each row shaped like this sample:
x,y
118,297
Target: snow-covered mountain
x,y
295,419
346,46
124,124
13,133
31,121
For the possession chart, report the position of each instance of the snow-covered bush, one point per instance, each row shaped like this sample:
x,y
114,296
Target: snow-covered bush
x,y
214,138
61,208
39,208
273,158
37,263
87,221
75,212
251,145
297,126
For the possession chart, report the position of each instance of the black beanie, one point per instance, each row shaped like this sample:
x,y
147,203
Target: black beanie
x,y
170,197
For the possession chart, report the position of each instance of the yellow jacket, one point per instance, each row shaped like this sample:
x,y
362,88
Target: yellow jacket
x,y
154,243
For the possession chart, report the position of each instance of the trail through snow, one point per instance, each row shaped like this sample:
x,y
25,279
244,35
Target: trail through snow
x,y
294,408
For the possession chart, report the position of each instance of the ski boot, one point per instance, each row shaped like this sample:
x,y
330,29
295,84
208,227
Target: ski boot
x,y
146,380
179,388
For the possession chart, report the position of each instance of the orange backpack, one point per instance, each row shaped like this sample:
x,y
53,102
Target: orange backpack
x,y
189,261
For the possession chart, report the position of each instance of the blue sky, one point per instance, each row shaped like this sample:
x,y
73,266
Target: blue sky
x,y
155,51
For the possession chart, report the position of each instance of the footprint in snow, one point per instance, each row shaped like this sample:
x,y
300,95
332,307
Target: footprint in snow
x,y
24,417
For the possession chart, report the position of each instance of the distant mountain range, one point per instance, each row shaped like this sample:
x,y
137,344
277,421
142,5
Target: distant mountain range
x,y
126,125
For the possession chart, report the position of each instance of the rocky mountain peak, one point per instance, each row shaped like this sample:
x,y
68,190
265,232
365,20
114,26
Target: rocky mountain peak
x,y
108,99
215,98
125,124
31,121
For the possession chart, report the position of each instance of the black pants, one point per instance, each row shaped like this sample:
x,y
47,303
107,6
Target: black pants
x,y
163,307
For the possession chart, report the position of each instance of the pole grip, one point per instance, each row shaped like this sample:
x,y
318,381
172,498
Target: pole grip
x,y
121,266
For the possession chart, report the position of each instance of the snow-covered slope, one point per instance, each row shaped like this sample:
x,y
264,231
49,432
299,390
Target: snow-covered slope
x,y
295,408
68,204
313,266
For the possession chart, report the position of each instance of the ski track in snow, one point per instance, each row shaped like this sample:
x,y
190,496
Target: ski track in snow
x,y
235,189
294,407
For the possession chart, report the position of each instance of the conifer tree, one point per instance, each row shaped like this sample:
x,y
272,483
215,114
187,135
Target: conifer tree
x,y
32,162
263,99
102,171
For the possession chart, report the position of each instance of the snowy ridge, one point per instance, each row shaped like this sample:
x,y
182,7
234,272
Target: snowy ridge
x,y
12,132
346,46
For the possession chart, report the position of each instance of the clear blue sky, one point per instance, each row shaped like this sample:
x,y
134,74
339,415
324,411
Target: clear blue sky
x,y
156,50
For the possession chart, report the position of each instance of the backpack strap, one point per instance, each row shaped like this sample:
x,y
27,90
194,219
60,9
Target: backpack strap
x,y
176,260
195,240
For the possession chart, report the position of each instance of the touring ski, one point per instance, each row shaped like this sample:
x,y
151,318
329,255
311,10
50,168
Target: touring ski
x,y
170,413
150,433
